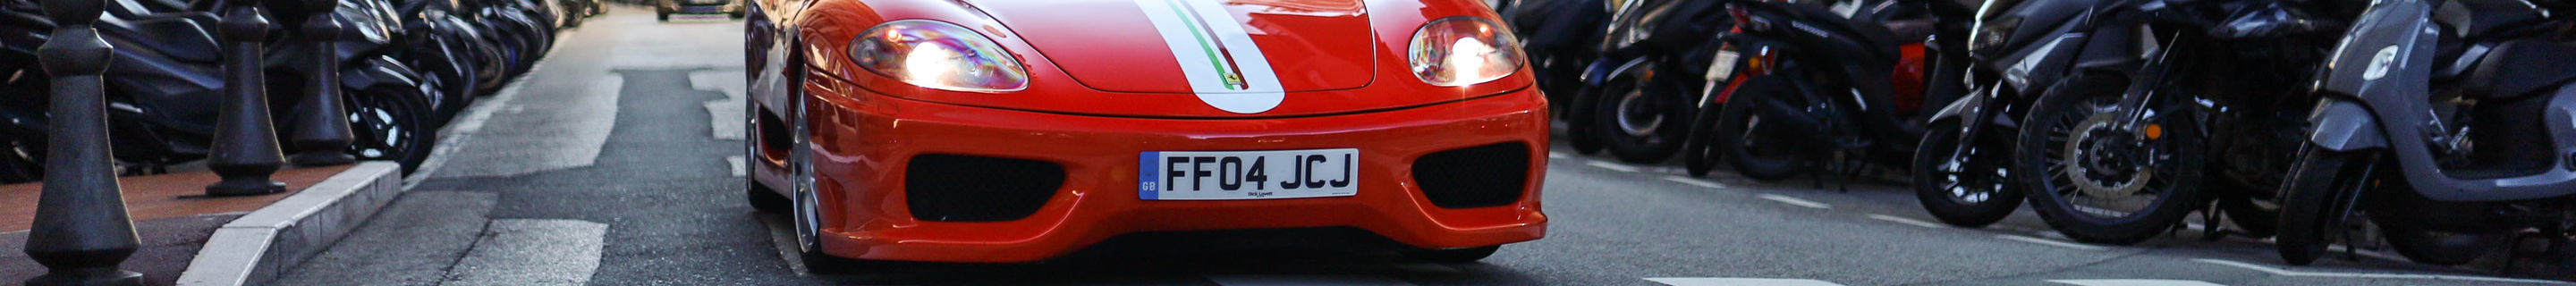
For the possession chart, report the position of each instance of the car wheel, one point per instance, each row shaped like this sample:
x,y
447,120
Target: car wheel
x,y
1453,255
1966,190
761,197
808,207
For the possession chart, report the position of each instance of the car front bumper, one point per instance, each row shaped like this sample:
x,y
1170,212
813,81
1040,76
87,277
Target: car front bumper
x,y
864,141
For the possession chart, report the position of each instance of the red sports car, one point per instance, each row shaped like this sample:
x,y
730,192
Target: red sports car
x,y
1010,131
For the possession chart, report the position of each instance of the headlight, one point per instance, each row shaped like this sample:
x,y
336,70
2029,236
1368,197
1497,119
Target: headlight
x,y
1459,51
1992,34
938,55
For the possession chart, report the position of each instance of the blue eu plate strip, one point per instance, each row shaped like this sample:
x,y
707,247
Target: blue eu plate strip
x,y
1146,168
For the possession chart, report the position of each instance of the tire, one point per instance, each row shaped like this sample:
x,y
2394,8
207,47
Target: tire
x,y
1699,154
1755,152
2174,178
1650,129
2314,203
2442,248
765,199
390,123
1578,122
1965,191
1454,255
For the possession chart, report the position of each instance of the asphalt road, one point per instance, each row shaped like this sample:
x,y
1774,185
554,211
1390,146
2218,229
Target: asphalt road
x,y
608,166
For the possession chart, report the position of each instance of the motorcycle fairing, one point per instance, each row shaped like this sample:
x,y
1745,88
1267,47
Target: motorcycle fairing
x,y
2385,65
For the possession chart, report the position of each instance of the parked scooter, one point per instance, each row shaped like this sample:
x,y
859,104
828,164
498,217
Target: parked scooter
x,y
2115,152
1960,170
1559,37
2451,124
1799,83
1638,94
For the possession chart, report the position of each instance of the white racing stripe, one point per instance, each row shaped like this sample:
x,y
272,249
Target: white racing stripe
x,y
2292,273
1225,69
2049,242
1906,221
2133,282
1724,281
1795,201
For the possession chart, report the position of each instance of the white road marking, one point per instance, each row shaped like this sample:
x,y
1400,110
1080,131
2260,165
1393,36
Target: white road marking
x,y
1721,281
2051,242
1303,280
532,252
1612,166
464,126
2294,273
1907,221
726,116
2133,282
1695,182
1795,201
567,128
1555,155
736,163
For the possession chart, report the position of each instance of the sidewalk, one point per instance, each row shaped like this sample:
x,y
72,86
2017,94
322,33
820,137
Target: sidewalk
x,y
173,217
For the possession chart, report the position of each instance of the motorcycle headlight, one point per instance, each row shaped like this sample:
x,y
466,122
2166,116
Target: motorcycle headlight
x,y
938,55
1460,51
1992,34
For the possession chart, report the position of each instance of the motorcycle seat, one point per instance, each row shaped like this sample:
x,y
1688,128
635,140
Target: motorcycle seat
x,y
185,36
2471,19
2520,69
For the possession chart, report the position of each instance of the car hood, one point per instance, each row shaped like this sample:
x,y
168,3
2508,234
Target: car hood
x,y
1199,46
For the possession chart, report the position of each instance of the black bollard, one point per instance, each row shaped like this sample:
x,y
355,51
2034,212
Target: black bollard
x,y
245,151
322,136
81,230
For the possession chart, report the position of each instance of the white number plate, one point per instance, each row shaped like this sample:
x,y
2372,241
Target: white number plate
x,y
1248,175
1723,66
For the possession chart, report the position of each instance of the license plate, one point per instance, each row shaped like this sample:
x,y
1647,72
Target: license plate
x,y
1248,175
1723,67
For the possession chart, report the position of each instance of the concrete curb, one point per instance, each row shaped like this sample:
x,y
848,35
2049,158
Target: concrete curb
x,y
256,247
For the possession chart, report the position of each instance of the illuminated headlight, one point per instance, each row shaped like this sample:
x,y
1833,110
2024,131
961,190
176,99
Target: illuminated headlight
x,y
938,55
1460,51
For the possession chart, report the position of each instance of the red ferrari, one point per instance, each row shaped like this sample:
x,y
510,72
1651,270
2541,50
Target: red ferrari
x,y
1011,131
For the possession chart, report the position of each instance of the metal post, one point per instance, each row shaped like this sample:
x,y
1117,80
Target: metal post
x,y
81,230
245,152
322,136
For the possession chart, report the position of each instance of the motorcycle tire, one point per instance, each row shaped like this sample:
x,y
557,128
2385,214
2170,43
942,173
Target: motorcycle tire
x,y
1739,134
1949,188
1579,131
2076,103
2315,200
1650,142
2442,248
1699,153
392,123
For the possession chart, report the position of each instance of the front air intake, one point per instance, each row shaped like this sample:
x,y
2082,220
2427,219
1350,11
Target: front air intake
x,y
959,188
1474,177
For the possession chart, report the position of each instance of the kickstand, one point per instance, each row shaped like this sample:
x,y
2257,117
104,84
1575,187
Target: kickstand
x,y
2209,224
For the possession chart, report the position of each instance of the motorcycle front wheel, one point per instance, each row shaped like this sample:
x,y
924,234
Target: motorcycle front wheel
x,y
1639,123
2098,182
1966,190
2315,200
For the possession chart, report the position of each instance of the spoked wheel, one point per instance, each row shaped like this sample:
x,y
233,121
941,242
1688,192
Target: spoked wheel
x,y
808,207
390,123
2316,200
2099,182
1640,124
1962,186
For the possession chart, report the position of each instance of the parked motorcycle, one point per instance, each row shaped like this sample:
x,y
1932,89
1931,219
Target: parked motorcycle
x,y
2118,150
2450,124
1638,95
1960,170
1796,83
1559,37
